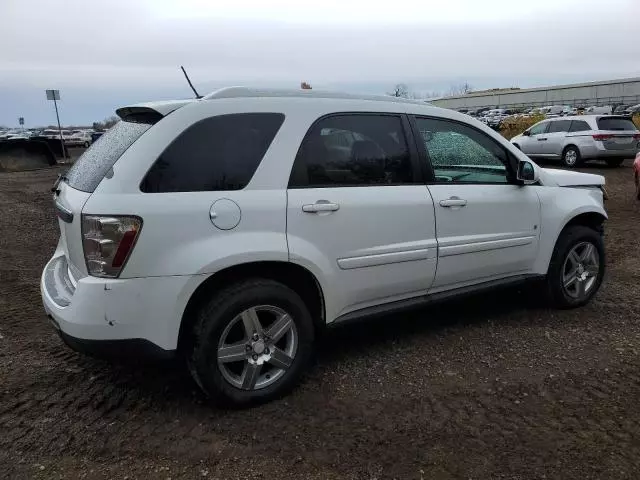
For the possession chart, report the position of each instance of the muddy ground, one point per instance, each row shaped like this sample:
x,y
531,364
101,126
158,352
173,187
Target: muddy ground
x,y
487,388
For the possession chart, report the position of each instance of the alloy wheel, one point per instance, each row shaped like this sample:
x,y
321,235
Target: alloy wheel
x,y
257,347
580,270
571,157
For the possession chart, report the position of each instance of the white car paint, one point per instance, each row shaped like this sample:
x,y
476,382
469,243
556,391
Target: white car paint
x,y
383,243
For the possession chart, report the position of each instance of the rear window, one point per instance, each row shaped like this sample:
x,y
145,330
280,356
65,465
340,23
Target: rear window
x,y
92,166
615,124
215,154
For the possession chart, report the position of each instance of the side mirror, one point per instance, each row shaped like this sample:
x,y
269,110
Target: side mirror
x,y
526,133
527,172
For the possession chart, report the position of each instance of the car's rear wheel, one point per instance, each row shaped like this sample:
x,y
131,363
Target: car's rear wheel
x,y
251,343
577,267
614,162
571,157
86,144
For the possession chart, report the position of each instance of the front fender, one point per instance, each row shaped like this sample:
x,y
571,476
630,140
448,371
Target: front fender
x,y
559,207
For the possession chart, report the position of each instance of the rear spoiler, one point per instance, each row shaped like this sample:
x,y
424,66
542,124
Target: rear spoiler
x,y
150,111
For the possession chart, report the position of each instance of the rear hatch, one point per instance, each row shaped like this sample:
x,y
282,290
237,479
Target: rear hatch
x,y
73,189
617,133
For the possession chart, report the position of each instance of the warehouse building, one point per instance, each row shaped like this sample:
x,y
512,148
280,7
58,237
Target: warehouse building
x,y
625,91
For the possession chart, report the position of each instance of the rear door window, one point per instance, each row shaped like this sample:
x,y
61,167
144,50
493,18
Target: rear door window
x,y
354,150
579,126
559,126
93,164
605,123
215,154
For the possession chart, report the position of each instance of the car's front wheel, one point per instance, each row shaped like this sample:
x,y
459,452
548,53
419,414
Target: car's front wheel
x,y
251,343
571,157
577,267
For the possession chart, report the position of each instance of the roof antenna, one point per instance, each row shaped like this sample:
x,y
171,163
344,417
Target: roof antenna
x,y
190,84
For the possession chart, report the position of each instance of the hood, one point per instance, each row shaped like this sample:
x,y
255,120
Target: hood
x,y
567,178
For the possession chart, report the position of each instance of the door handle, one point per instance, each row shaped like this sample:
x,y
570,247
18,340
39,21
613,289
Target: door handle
x,y
321,206
453,202
543,139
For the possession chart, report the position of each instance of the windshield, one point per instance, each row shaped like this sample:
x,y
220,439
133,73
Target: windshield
x,y
91,167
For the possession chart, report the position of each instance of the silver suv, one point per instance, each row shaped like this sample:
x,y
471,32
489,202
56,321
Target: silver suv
x,y
585,137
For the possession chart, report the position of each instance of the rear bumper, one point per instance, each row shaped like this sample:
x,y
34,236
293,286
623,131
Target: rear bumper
x,y
596,152
115,316
132,349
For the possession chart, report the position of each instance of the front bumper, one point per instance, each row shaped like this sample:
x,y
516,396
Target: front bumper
x,y
97,315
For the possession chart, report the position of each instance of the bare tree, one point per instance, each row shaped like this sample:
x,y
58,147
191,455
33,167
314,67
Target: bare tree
x,y
400,90
461,89
110,122
305,86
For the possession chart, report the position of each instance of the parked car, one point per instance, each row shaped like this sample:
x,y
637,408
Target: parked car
x,y
95,136
602,110
79,138
576,139
636,175
632,110
230,231
620,109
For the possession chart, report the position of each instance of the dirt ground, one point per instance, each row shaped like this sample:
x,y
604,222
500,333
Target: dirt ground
x,y
494,387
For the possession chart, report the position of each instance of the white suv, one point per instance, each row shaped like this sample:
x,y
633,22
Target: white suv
x,y
234,228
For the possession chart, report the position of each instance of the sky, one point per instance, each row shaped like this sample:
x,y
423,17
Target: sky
x,y
102,55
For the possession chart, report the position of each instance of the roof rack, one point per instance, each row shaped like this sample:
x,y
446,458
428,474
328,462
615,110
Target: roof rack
x,y
244,92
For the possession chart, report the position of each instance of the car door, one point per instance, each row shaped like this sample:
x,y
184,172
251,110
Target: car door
x,y
487,224
556,134
359,214
532,144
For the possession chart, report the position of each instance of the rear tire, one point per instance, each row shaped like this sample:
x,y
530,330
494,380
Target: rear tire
x,y
256,372
577,267
614,162
571,157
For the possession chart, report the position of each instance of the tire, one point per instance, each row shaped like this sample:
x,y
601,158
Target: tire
x,y
517,146
614,162
86,144
575,237
571,157
228,383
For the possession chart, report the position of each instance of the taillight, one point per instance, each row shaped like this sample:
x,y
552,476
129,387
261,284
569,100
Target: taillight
x,y
107,242
602,136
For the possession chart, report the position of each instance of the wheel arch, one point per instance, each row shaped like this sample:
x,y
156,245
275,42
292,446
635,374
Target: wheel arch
x,y
294,276
591,219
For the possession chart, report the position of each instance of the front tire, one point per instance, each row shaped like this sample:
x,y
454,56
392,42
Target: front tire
x,y
251,343
571,157
577,267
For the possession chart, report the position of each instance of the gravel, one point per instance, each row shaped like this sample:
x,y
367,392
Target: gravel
x,y
495,386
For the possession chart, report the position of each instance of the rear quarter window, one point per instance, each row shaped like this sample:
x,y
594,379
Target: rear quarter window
x,y
215,154
93,164
615,124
